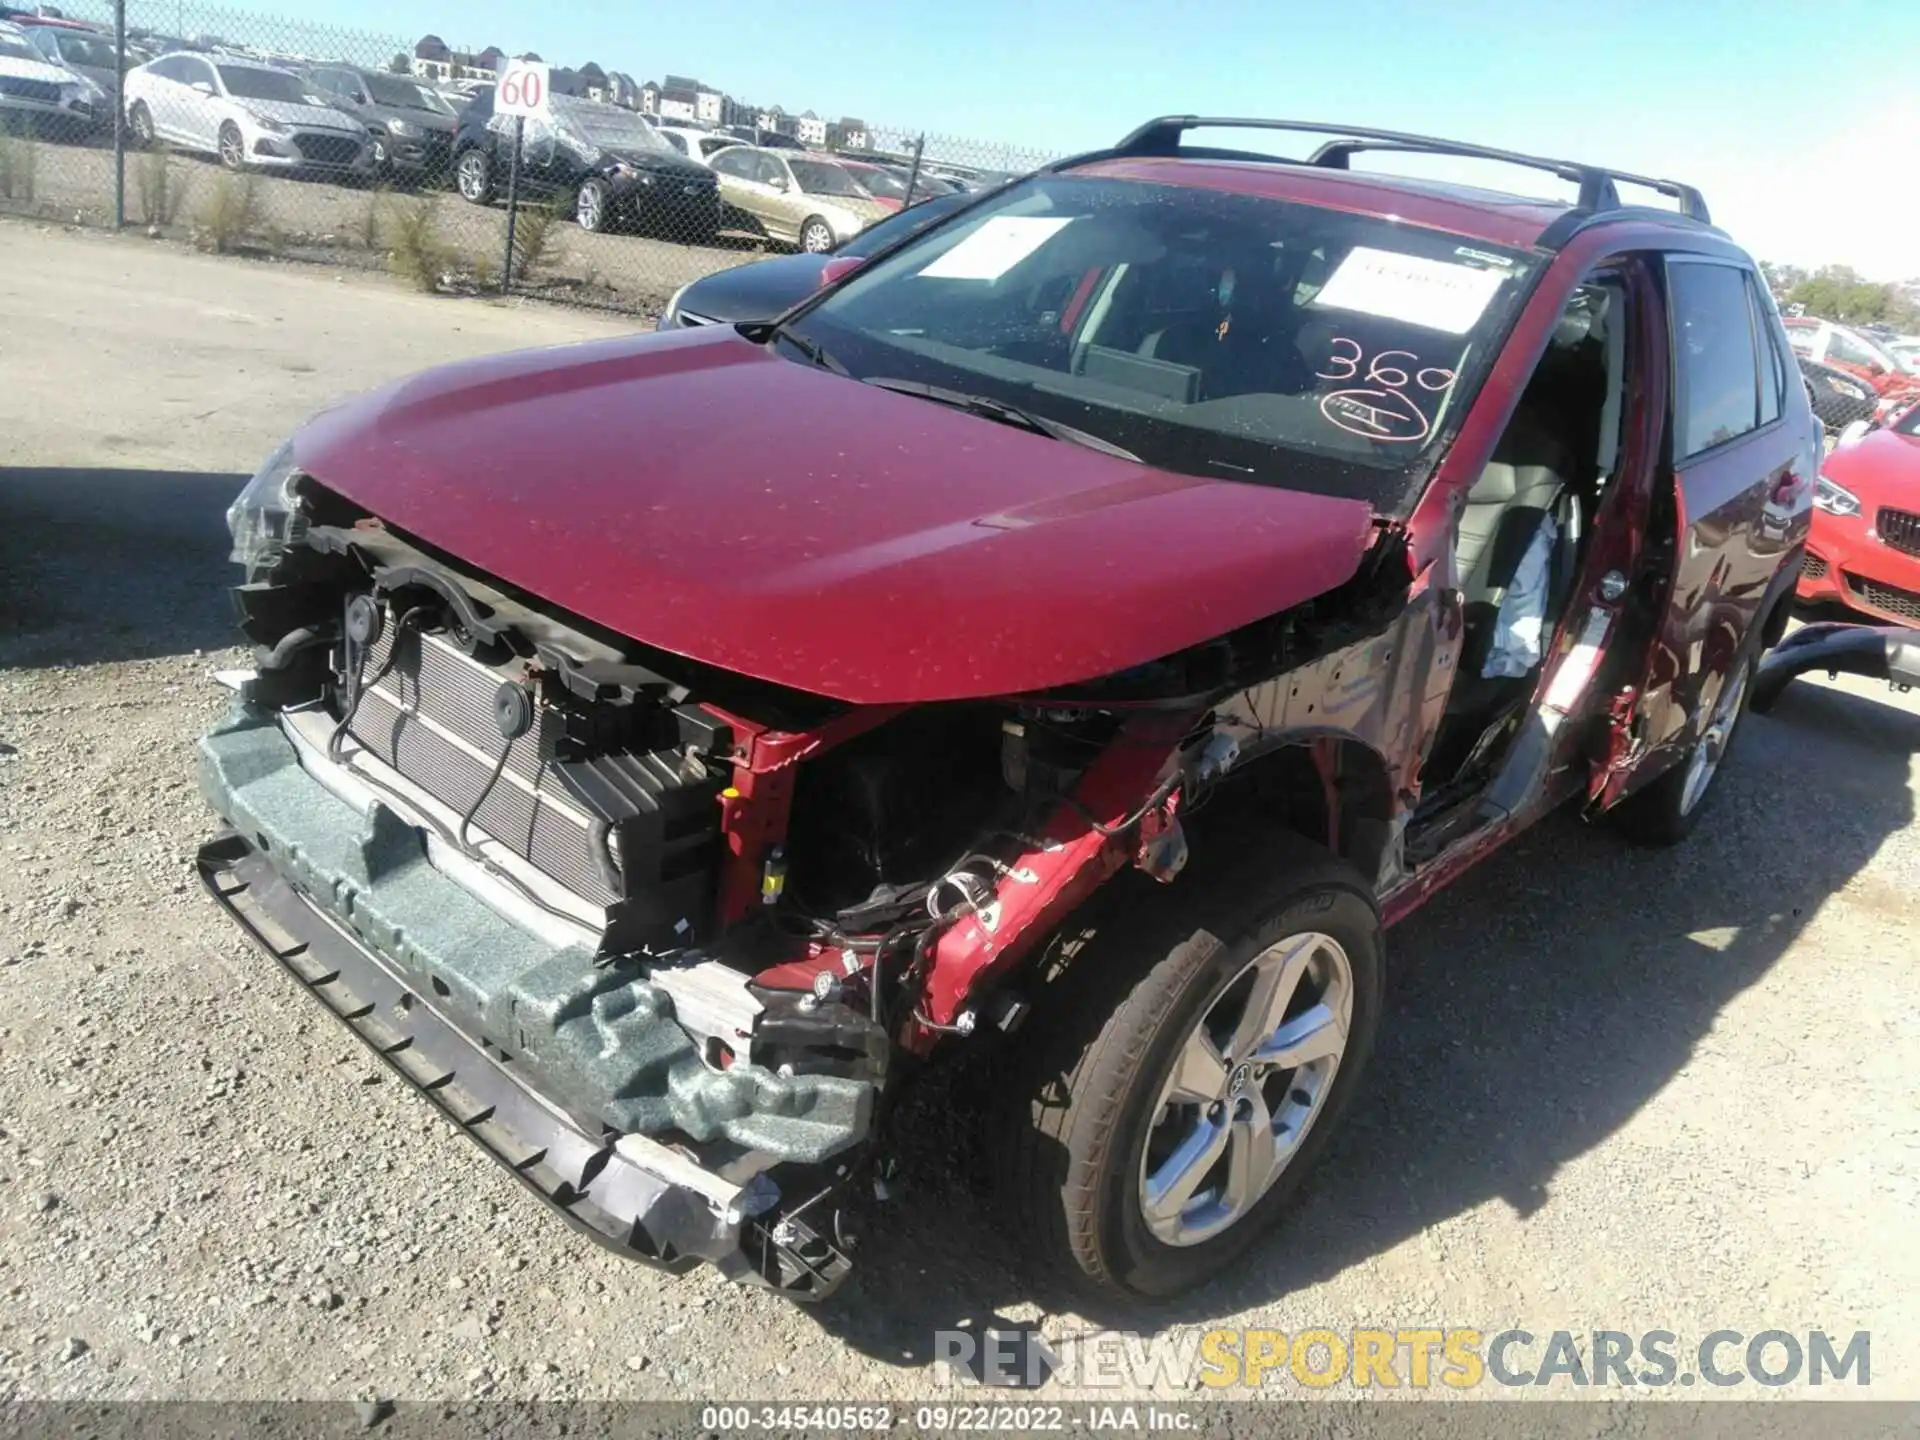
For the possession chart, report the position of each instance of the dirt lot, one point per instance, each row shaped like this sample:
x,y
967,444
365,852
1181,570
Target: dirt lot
x,y
1616,1089
317,221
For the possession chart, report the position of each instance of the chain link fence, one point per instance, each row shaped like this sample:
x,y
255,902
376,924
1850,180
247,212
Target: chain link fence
x,y
257,134
1839,397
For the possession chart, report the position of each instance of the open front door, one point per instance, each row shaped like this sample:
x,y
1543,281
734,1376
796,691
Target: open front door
x,y
1721,518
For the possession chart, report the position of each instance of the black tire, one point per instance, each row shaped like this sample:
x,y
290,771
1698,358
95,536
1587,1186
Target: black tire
x,y
140,126
816,236
473,176
233,148
1666,811
1083,1090
593,206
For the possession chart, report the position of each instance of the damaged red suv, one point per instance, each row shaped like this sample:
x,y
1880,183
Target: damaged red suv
x,y
1084,629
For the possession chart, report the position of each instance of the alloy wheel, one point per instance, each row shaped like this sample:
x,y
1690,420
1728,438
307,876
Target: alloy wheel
x,y
591,207
233,148
473,176
1244,1088
1711,748
816,239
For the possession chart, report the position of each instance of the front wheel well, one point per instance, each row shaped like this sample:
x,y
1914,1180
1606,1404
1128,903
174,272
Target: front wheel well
x,y
1334,790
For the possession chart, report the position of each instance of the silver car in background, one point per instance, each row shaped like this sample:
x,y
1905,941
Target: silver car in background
x,y
248,114
42,96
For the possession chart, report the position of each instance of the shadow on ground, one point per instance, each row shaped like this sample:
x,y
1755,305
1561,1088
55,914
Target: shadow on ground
x,y
1533,1009
101,565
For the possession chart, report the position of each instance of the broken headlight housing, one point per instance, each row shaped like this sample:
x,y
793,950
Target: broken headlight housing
x,y
267,516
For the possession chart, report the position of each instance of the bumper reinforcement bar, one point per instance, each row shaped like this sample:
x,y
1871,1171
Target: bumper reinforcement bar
x,y
638,1197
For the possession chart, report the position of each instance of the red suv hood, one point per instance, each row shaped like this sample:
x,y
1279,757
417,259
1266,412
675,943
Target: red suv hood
x,y
699,494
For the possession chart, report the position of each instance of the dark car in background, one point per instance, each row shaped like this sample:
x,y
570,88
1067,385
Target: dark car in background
x,y
80,51
1838,398
412,127
763,290
617,172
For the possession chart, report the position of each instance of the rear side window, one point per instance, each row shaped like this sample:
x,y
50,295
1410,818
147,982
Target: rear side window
x,y
1716,396
1773,359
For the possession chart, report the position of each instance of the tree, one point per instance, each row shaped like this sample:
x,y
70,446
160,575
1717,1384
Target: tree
x,y
400,65
1836,292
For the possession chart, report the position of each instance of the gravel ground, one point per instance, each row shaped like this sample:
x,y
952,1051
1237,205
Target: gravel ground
x,y
1616,1089
316,221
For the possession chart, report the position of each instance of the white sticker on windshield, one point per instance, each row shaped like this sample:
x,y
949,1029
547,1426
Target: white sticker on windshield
x,y
996,247
1431,293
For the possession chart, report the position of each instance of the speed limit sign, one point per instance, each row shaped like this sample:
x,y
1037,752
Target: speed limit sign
x,y
522,90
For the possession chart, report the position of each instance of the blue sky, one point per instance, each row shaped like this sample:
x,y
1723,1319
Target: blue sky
x,y
1788,113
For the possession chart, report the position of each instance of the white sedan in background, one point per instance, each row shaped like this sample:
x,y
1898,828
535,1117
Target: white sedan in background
x,y
246,113
701,145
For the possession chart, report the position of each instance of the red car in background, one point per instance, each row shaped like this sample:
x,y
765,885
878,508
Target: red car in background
x,y
1864,552
883,185
1858,354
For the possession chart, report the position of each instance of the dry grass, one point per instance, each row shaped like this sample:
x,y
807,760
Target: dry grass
x,y
158,188
373,218
534,234
418,253
231,215
19,165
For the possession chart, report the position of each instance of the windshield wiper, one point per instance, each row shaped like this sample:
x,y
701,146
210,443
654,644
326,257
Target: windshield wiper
x,y
763,331
988,408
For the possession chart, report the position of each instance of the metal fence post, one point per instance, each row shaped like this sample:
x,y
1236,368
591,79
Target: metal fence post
x,y
119,114
913,175
513,200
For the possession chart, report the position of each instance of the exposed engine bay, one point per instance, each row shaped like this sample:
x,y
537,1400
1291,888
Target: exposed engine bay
x,y
689,906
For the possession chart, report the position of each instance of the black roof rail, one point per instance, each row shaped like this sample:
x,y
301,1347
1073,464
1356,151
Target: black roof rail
x,y
1598,192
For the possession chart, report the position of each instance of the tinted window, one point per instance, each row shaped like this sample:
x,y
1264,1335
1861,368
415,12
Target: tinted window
x,y
1802,338
738,163
402,93
87,50
1714,369
676,141
823,177
769,171
243,82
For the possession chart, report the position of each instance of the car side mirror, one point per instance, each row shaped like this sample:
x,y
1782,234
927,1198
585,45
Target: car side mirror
x,y
779,183
205,87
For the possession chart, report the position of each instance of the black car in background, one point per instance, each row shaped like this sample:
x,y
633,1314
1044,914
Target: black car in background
x,y
605,162
764,289
1838,398
82,52
412,127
